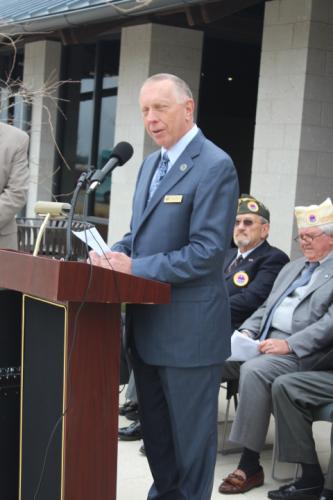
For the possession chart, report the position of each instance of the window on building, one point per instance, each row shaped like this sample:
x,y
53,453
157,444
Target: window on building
x,y
13,109
87,131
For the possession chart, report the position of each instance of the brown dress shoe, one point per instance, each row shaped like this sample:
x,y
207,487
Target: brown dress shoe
x,y
236,483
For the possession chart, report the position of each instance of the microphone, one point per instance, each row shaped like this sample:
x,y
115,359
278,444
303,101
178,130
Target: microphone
x,y
54,208
121,153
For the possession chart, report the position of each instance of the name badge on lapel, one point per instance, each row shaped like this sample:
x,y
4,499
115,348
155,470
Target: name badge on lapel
x,y
173,198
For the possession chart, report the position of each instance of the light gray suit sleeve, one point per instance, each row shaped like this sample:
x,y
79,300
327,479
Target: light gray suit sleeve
x,y
14,194
210,226
316,336
253,323
312,325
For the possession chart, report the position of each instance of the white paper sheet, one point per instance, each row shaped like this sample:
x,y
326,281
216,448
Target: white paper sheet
x,y
93,239
243,347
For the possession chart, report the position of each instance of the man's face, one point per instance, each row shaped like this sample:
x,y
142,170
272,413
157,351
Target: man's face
x,y
249,231
315,244
167,116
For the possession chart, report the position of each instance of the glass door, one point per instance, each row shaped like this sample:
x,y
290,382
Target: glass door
x,y
87,127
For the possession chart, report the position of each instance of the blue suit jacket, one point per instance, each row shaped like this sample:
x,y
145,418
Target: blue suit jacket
x,y
183,243
262,267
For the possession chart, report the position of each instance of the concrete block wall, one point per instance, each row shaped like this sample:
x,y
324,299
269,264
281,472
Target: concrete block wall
x,y
41,69
294,122
145,50
316,183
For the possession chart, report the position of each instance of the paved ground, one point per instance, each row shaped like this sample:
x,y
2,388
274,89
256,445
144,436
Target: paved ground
x,y
134,477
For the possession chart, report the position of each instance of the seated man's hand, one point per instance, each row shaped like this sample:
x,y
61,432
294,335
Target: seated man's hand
x,y
274,346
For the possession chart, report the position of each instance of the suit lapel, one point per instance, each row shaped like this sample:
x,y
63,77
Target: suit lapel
x,y
257,252
247,260
292,274
324,273
181,168
173,176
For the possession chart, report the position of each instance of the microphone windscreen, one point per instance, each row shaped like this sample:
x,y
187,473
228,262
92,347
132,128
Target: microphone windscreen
x,y
123,151
54,208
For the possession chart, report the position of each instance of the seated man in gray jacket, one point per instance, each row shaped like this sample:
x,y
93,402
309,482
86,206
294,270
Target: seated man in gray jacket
x,y
295,398
294,327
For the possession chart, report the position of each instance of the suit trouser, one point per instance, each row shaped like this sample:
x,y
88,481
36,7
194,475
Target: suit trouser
x,y
178,413
295,397
255,402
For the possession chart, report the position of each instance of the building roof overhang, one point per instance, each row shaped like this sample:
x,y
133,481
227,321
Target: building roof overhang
x,y
45,16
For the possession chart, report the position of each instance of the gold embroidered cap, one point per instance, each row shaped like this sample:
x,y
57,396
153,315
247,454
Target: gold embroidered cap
x,y
247,204
314,215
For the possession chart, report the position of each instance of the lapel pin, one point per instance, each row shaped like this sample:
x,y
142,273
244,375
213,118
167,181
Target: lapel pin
x,y
183,167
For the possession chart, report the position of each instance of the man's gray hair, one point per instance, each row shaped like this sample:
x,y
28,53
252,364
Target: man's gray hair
x,y
263,220
327,228
182,87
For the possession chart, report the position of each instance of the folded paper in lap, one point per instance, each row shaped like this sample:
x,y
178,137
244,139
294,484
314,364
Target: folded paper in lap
x,y
243,347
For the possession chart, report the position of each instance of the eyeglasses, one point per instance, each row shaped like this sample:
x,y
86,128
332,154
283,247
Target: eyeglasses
x,y
246,222
307,238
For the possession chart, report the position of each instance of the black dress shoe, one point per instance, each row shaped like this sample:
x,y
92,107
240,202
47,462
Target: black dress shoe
x,y
293,492
130,433
129,406
132,414
142,450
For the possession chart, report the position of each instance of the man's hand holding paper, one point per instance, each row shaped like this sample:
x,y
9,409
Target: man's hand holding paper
x,y
243,347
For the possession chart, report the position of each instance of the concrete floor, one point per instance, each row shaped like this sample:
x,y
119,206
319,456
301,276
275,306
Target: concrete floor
x,y
134,478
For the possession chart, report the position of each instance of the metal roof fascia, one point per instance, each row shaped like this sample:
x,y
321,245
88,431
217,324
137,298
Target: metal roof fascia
x,y
81,16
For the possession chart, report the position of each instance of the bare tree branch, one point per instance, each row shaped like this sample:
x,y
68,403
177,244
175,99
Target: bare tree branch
x,y
141,5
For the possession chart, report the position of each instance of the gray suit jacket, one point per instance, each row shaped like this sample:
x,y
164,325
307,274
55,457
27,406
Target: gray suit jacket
x,y
312,322
183,243
14,177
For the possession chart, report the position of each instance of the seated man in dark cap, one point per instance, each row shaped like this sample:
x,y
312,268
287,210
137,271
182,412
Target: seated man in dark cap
x,y
251,268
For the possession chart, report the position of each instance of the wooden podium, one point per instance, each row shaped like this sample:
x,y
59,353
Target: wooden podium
x,y
70,372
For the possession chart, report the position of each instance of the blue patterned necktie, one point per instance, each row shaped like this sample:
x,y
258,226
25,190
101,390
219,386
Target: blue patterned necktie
x,y
302,280
161,172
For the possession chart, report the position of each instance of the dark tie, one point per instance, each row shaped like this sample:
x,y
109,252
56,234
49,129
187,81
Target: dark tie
x,y
302,280
161,172
234,264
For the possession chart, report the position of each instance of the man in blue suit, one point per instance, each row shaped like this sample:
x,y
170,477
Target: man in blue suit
x,y
251,268
183,213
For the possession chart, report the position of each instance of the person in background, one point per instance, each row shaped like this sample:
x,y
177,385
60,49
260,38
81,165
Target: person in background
x,y
251,267
296,396
14,176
